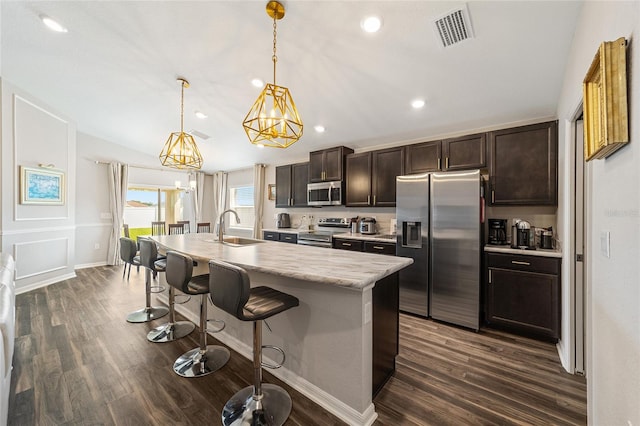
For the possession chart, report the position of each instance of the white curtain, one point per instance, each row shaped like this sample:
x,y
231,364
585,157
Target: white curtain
x,y
118,176
198,197
219,196
258,199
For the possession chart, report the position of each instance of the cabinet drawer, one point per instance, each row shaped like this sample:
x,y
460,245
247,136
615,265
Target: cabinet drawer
x,y
343,244
270,235
381,248
544,265
288,238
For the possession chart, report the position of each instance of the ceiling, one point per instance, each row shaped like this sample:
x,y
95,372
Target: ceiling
x,y
114,72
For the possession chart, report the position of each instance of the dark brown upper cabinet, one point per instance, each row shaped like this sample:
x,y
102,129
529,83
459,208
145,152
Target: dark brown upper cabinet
x,y
291,185
371,177
327,164
523,165
423,157
466,152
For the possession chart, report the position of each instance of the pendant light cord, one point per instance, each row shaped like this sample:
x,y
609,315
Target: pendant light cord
x,y
182,109
274,58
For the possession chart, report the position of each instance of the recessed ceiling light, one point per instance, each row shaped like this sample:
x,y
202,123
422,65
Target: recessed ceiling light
x,y
319,129
257,82
201,115
260,145
52,24
417,104
371,24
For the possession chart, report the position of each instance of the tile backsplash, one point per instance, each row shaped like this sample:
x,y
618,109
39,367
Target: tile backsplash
x,y
537,216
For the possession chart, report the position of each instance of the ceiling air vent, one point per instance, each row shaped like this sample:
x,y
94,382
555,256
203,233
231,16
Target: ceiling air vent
x,y
199,134
454,27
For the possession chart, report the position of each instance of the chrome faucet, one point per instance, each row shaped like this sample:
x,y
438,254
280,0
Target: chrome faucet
x,y
221,222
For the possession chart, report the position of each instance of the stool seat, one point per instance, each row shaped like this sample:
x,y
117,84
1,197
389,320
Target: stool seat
x,y
198,285
160,265
265,302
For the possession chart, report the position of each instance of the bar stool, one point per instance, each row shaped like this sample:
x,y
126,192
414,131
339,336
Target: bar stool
x,y
128,249
172,330
151,262
261,403
205,359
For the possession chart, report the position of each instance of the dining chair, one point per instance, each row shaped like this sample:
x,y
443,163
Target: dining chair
x,y
176,228
203,227
158,228
125,230
187,225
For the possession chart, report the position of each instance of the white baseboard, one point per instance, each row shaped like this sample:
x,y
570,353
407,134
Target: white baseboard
x,y
90,265
308,389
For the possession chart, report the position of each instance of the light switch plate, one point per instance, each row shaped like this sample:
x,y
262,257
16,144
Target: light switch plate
x,y
605,244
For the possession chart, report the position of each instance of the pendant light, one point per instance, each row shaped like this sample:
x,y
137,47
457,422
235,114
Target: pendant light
x,y
180,151
273,119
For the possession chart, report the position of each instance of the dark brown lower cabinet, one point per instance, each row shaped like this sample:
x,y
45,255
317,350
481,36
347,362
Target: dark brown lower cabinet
x,y
523,295
386,323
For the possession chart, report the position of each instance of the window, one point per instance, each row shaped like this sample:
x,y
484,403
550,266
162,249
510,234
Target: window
x,y
241,200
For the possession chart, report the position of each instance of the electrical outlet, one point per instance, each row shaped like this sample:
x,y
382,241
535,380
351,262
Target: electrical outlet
x,y
605,243
105,215
96,246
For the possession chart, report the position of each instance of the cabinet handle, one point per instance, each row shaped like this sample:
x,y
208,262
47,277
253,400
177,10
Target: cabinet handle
x,y
378,247
517,262
493,196
490,276
346,244
438,163
368,200
374,200
446,163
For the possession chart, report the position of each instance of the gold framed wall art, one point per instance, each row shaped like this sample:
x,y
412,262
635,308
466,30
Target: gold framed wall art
x,y
604,92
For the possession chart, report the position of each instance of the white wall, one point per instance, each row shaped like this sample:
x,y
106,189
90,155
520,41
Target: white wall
x,y
41,238
613,327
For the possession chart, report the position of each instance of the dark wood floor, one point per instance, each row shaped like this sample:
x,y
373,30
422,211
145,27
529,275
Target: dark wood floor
x,y
78,362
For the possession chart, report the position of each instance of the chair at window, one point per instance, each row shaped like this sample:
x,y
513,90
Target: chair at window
x,y
128,249
203,227
176,228
187,225
125,230
158,228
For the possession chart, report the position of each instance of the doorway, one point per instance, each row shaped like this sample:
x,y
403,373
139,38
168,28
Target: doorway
x,y
579,240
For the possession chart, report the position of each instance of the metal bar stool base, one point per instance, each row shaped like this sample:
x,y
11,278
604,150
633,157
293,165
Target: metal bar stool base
x,y
171,331
272,409
147,314
192,364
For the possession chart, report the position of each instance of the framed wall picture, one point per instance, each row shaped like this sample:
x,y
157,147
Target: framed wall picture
x,y
41,186
271,191
605,101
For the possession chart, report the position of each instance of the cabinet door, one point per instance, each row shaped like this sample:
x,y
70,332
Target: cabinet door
x,y
524,165
346,244
466,152
300,178
423,157
270,235
387,165
358,179
524,301
283,186
333,164
316,166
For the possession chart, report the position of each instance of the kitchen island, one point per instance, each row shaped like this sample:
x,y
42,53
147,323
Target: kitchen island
x,y
340,342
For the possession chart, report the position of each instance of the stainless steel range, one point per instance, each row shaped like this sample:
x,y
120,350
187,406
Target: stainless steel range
x,y
322,236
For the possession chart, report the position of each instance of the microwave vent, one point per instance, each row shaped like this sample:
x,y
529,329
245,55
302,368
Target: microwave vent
x,y
454,27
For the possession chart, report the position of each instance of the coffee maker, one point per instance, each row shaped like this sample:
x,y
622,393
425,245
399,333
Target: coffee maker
x,y
520,236
497,231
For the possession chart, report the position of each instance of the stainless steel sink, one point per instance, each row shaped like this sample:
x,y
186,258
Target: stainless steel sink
x,y
240,241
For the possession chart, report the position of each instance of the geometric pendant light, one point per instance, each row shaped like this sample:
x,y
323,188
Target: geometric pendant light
x,y
273,120
180,151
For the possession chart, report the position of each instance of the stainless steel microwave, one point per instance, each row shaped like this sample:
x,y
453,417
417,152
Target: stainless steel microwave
x,y
324,193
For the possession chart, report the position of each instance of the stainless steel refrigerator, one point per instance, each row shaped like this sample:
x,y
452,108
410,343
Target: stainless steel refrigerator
x,y
438,217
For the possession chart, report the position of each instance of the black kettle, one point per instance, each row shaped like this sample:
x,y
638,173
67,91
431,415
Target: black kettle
x,y
283,220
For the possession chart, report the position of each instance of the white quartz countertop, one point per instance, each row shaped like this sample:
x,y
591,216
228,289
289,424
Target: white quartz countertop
x,y
286,230
536,252
342,268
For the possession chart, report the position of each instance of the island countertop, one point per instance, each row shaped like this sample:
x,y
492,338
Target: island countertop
x,y
342,268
